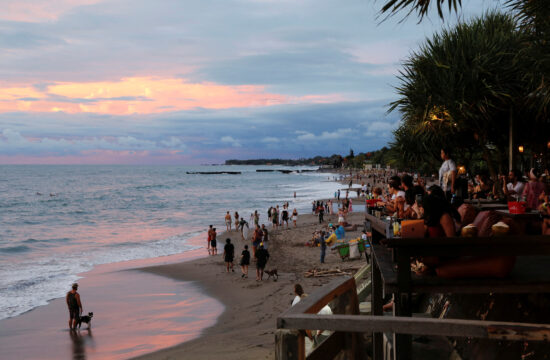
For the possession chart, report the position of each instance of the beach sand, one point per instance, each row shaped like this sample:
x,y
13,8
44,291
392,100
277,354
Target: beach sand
x,y
178,307
246,329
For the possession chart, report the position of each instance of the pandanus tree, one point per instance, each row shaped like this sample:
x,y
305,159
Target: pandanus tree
x,y
460,86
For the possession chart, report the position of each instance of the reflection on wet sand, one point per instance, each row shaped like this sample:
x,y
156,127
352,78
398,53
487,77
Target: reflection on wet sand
x,y
80,341
142,313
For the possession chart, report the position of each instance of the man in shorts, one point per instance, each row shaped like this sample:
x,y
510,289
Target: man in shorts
x,y
213,244
74,305
228,254
209,239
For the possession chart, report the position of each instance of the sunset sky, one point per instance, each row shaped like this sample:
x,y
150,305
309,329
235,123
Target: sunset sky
x,y
191,82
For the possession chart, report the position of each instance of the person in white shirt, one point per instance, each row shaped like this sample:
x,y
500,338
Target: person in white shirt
x,y
515,186
447,172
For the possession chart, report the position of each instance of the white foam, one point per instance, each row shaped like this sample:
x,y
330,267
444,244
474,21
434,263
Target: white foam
x,y
34,283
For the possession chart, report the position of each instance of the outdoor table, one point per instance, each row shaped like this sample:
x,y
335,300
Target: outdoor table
x,y
521,219
490,206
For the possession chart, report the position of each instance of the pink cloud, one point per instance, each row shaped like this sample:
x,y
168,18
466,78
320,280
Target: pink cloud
x,y
143,95
39,11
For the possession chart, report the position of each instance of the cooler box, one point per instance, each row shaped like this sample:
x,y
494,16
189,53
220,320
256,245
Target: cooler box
x,y
517,207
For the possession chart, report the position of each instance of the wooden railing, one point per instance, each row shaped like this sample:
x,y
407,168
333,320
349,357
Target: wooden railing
x,y
349,327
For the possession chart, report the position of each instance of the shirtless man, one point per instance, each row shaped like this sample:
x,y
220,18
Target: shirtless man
x,y
74,305
228,221
209,239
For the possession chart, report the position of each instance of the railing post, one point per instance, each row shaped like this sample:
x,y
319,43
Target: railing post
x,y
402,343
289,345
376,308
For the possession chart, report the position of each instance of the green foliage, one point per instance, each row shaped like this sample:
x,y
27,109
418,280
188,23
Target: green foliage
x,y
460,89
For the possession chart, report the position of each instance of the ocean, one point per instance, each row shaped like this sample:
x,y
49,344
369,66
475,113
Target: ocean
x,y
59,221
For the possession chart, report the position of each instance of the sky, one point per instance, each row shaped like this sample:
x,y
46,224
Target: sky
x,y
199,82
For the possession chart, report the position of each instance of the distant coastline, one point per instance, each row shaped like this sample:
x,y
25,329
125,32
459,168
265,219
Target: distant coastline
x,y
316,161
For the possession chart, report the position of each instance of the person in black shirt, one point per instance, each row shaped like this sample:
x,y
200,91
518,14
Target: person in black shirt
x,y
228,254
245,261
74,305
261,259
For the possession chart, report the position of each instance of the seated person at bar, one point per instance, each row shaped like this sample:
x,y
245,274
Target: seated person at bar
x,y
514,187
414,208
377,194
484,188
439,215
397,202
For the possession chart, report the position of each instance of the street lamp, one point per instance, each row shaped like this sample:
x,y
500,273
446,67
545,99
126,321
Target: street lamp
x,y
520,148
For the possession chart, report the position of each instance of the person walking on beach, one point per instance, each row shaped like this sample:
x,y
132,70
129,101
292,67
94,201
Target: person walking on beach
x,y
321,214
294,216
75,306
245,261
269,213
338,193
228,221
241,225
213,242
261,260
256,218
228,254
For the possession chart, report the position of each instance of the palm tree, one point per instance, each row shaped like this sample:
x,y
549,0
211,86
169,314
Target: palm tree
x,y
459,87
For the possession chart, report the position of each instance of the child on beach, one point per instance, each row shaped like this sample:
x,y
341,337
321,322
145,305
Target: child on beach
x,y
245,261
228,254
294,216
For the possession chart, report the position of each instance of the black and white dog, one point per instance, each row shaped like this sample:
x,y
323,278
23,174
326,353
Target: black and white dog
x,y
86,319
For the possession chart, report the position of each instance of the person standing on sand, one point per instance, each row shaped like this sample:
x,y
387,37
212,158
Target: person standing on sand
x,y
284,217
323,246
236,216
261,260
213,243
241,225
275,218
338,193
294,216
74,305
265,236
256,218
228,221
209,239
269,213
228,254
321,214
245,261
256,239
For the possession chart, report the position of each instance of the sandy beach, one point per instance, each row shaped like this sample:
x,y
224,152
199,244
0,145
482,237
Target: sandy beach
x,y
246,328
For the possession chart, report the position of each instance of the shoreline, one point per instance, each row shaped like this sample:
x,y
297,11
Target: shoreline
x,y
246,328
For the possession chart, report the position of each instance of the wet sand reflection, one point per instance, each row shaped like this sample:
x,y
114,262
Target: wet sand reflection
x,y
134,313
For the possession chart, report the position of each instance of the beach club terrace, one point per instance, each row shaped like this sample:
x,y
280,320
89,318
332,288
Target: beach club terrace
x,y
423,323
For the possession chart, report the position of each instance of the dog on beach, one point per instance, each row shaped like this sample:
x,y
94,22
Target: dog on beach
x,y
86,319
271,273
